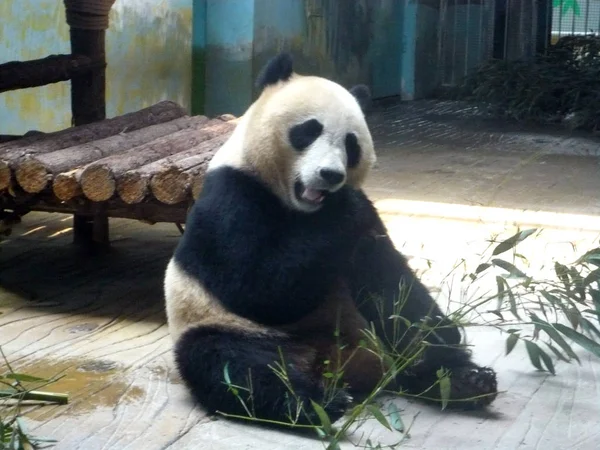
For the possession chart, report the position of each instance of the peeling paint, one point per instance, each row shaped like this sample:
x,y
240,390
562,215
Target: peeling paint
x,y
148,48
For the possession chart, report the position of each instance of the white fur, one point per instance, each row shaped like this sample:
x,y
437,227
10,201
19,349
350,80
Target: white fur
x,y
188,304
260,142
230,153
325,153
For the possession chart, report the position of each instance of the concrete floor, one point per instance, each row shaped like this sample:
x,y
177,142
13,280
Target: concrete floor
x,y
444,186
451,153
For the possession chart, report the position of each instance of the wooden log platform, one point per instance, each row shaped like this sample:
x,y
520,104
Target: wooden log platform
x,y
141,165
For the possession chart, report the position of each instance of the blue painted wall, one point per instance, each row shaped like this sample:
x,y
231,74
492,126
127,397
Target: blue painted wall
x,y
229,35
148,53
351,42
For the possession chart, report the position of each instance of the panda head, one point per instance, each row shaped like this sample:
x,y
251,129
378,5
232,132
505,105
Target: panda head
x,y
305,136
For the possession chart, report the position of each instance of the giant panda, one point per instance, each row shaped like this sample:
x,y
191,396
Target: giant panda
x,y
281,256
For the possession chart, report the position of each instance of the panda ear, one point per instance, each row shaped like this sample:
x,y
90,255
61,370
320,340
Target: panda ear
x,y
363,96
279,68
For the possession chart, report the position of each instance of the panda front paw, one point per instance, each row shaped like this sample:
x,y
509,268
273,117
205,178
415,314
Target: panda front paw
x,y
472,387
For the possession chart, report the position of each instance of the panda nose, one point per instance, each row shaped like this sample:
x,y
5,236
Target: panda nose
x,y
332,177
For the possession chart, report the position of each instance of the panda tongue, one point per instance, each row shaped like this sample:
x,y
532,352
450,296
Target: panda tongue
x,y
312,195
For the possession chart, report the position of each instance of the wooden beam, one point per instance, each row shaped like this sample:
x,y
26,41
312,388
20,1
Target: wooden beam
x,y
43,71
86,211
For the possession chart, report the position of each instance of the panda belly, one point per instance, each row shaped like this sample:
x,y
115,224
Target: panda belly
x,y
208,338
336,331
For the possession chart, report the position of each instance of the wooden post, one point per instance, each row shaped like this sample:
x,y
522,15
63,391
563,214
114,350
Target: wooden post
x,y
88,21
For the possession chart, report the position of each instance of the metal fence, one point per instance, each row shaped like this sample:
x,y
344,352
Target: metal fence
x,y
464,39
575,17
474,31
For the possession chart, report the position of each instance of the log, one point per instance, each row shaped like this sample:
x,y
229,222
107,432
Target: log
x,y
66,185
44,143
98,179
165,178
9,137
49,142
197,183
173,185
43,71
34,172
5,176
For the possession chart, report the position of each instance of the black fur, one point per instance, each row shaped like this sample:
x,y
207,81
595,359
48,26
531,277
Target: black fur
x,y
304,134
389,287
279,68
203,353
363,96
353,150
332,177
262,260
273,265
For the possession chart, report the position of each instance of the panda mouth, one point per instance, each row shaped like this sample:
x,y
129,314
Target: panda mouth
x,y
311,196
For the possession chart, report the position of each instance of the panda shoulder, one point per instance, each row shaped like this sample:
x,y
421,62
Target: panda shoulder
x,y
229,198
225,186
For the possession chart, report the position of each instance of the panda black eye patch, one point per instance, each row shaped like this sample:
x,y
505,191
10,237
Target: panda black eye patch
x,y
352,150
304,134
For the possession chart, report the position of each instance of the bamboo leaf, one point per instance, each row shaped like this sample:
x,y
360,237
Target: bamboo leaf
x,y
557,352
379,416
226,373
579,284
395,418
512,301
334,445
547,361
482,267
534,354
555,336
596,299
445,386
579,339
511,341
21,377
321,433
510,268
562,272
554,300
589,327
592,257
513,241
574,317
500,285
323,417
